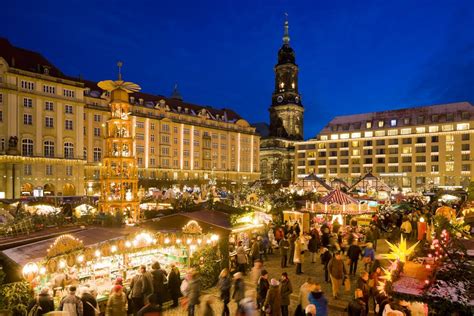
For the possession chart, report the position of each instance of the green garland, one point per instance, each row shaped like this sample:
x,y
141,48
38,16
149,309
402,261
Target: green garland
x,y
15,297
207,262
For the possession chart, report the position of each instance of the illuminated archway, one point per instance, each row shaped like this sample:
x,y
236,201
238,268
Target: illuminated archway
x,y
49,189
26,189
69,189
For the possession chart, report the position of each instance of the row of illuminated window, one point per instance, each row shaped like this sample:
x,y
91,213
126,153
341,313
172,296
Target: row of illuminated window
x,y
30,86
49,122
382,142
395,132
421,119
49,170
27,148
382,169
48,105
450,157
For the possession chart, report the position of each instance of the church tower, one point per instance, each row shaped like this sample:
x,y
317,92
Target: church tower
x,y
286,111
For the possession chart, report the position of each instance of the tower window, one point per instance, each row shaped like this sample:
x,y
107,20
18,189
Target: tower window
x,y
292,85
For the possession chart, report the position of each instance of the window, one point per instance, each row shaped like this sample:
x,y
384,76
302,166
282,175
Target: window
x,y
406,168
380,142
393,141
48,148
1,98
165,139
49,89
406,150
368,143
140,136
433,129
368,124
165,151
434,139
27,170
406,159
27,147
393,159
49,121
465,147
465,137
152,161
406,141
333,145
434,118
420,119
69,93
68,150
68,124
152,126
49,170
434,168
405,131
449,117
368,160
435,158
69,170
462,126
196,132
97,154
27,119
380,123
435,148
421,140
450,167
420,130
465,157
97,131
140,149
393,122
27,85
1,116
393,151
449,147
152,150
48,106
165,128
97,117
27,102
466,168
68,109
140,124
447,128
420,159
355,152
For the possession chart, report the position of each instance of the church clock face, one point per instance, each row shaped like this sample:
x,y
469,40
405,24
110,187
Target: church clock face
x,y
279,99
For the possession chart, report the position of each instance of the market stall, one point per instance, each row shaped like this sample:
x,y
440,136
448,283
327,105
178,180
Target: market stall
x,y
313,183
69,262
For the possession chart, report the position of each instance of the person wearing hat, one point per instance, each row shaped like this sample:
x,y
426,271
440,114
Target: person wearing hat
x,y
43,302
72,303
262,288
272,304
117,303
239,290
317,298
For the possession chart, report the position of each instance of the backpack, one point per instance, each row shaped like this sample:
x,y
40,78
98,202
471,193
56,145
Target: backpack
x,y
35,310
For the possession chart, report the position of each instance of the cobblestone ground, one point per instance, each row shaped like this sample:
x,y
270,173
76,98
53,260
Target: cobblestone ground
x,y
272,265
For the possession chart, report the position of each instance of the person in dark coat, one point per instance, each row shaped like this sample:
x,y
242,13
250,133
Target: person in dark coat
x,y
354,253
262,289
363,285
224,284
325,258
313,246
89,303
159,279
174,284
151,308
273,300
326,237
285,291
284,246
140,287
357,306
44,300
292,240
193,292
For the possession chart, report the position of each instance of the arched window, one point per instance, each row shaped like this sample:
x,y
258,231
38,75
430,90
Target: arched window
x,y
68,150
84,153
48,147
97,154
27,147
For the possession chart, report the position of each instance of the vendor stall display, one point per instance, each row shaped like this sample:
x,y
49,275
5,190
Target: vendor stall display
x,y
68,262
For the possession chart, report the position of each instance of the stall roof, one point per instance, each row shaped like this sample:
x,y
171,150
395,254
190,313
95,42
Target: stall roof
x,y
338,197
207,219
37,250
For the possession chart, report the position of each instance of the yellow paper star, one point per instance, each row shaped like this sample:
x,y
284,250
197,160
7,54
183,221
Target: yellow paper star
x,y
387,274
381,287
400,251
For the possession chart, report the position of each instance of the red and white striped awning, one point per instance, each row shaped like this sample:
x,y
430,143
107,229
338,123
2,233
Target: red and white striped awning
x,y
338,197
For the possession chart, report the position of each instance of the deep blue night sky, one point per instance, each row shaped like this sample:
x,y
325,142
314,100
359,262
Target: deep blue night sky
x,y
354,56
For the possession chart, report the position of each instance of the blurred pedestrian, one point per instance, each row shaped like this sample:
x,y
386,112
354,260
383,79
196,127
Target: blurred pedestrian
x,y
239,291
337,272
313,246
140,287
317,298
285,291
159,279
255,250
298,256
193,292
262,289
310,310
72,303
406,227
117,303
224,284
303,301
272,304
207,306
89,302
363,284
291,253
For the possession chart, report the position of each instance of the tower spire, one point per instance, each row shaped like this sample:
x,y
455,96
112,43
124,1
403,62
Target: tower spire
x,y
286,35
119,65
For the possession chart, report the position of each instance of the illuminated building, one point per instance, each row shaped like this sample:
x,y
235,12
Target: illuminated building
x,y
412,149
52,129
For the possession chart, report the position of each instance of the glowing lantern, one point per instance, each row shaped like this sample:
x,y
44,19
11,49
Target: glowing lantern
x,y
30,271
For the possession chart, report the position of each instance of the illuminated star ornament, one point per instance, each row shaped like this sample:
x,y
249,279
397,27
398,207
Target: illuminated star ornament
x,y
110,85
399,252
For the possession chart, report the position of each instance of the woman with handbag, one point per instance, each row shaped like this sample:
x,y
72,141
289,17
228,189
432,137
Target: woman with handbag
x,y
272,304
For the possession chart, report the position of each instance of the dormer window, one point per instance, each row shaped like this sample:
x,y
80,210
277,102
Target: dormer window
x,y
393,122
406,121
292,85
368,124
282,85
381,123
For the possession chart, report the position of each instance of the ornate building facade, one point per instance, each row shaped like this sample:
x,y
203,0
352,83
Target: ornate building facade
x,y
286,117
52,129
